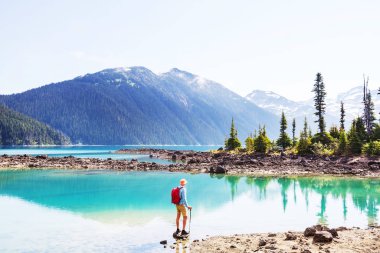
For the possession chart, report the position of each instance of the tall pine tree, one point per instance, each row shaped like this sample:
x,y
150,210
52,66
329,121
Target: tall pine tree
x,y
284,140
233,142
319,102
369,109
342,115
294,141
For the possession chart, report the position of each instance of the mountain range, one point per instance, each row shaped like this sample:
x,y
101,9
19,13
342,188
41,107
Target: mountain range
x,y
136,106
352,100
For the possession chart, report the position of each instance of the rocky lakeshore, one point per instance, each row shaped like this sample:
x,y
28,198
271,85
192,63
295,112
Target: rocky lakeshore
x,y
209,162
316,239
266,165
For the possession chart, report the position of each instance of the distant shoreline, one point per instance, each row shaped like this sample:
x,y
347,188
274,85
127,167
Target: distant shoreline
x,y
208,162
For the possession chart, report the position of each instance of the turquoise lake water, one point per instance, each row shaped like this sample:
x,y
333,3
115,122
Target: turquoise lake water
x,y
106,211
101,152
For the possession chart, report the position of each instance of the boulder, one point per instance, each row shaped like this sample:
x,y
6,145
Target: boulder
x,y
309,231
333,232
290,236
262,242
164,242
218,170
322,237
374,165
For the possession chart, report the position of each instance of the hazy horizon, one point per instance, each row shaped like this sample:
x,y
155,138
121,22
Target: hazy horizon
x,y
243,45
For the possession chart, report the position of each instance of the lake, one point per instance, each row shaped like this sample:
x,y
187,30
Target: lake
x,y
98,151
107,211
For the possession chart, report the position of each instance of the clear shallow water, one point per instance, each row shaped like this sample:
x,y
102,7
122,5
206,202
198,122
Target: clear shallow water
x,y
101,152
105,211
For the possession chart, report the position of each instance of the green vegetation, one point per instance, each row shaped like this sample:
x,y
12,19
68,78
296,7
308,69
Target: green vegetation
x,y
249,144
334,132
262,143
363,137
342,115
369,109
18,129
319,102
372,148
284,140
343,143
294,139
233,142
304,144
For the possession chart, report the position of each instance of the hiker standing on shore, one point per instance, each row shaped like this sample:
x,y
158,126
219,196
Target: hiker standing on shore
x,y
179,198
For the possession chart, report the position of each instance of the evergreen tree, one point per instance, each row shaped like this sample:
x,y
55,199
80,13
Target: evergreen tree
x,y
343,142
360,130
342,115
284,140
334,132
305,127
304,143
233,142
354,142
376,132
294,141
249,144
357,136
262,143
19,129
319,102
369,109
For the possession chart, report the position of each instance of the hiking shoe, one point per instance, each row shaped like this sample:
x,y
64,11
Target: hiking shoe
x,y
184,233
177,232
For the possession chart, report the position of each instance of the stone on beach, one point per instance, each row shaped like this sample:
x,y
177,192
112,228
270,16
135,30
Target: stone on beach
x,y
322,237
309,231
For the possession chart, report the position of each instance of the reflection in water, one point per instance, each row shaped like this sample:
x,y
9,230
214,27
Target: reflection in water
x,y
122,206
285,184
233,182
104,191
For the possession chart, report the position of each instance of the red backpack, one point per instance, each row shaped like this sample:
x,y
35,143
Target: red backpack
x,y
176,195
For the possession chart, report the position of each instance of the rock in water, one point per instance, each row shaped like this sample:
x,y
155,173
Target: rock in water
x,y
322,237
310,231
164,242
220,170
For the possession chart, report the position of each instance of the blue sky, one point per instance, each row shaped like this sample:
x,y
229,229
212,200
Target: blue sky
x,y
243,44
